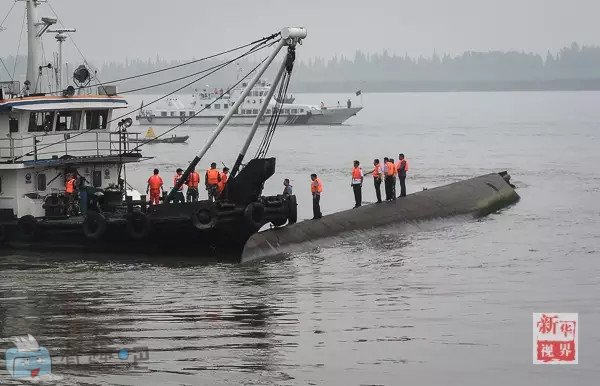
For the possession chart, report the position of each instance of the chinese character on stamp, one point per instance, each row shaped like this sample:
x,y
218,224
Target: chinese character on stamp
x,y
555,338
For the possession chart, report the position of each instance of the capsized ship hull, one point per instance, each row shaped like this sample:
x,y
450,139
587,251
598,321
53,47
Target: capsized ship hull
x,y
477,197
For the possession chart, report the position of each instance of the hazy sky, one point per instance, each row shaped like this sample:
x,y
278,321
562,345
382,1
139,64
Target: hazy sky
x,y
114,29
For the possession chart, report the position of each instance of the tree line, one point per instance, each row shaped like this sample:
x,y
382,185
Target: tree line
x,y
571,65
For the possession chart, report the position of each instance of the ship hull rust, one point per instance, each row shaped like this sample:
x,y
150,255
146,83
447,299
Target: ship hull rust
x,y
477,196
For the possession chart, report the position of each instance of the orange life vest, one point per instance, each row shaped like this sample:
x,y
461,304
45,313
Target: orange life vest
x,y
391,169
155,182
316,186
356,173
212,176
399,165
221,184
70,185
175,180
193,180
376,171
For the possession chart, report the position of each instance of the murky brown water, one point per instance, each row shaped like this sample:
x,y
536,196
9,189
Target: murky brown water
x,y
437,303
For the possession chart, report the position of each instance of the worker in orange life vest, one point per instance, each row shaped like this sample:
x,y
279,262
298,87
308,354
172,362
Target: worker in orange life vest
x,y
390,179
377,173
223,182
402,168
192,183
211,180
179,197
316,188
155,188
356,183
70,193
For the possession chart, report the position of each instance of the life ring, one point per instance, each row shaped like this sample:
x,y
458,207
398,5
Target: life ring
x,y
138,225
94,225
2,233
254,215
204,218
28,227
293,209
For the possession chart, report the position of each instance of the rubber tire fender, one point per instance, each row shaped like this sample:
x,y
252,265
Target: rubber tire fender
x,y
28,227
94,225
204,218
138,225
254,215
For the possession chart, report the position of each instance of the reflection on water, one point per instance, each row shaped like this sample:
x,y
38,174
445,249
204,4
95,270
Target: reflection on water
x,y
434,303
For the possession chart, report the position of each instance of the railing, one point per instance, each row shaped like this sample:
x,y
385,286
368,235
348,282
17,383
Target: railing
x,y
49,146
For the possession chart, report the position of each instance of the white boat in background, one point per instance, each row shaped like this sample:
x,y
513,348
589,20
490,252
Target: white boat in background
x,y
209,107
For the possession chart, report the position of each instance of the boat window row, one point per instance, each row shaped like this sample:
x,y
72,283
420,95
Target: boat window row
x,y
258,93
268,112
44,121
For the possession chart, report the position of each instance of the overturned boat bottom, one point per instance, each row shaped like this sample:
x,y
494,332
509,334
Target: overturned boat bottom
x,y
475,197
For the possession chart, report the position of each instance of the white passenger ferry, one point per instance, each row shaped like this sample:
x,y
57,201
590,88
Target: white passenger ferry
x,y
208,108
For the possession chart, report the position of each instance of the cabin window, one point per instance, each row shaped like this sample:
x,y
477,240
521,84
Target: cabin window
x,y
255,111
41,181
294,111
96,119
163,113
68,120
172,113
268,111
182,113
225,106
41,121
191,113
286,111
217,106
97,178
301,110
208,107
13,125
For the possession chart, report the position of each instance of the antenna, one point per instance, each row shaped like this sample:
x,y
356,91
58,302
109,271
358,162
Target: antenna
x,y
60,38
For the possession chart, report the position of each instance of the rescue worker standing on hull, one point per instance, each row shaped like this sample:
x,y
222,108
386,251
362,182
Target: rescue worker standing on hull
x,y
316,188
212,179
179,197
377,172
192,183
390,181
155,188
356,184
402,168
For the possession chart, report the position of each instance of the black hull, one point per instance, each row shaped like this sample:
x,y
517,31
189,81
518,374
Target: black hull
x,y
168,230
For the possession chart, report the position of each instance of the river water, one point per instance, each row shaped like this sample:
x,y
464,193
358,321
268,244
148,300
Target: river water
x,y
442,303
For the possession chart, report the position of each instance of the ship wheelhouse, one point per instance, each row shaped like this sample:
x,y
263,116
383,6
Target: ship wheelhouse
x,y
44,138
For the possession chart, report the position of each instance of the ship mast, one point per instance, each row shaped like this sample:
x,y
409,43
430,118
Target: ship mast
x,y
35,30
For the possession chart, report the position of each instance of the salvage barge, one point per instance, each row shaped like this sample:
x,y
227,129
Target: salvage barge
x,y
48,135
476,197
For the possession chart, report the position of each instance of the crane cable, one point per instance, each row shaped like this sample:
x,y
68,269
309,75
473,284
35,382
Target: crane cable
x,y
264,145
201,110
